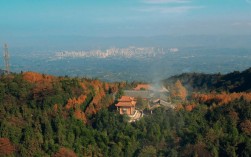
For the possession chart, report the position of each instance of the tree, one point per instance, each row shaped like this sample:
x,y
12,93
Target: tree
x,y
148,151
6,148
119,94
65,152
141,104
116,150
246,127
179,91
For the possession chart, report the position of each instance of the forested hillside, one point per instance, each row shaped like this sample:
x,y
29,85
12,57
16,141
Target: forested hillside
x,y
232,82
43,115
37,110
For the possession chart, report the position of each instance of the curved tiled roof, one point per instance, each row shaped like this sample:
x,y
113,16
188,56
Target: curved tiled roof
x,y
126,104
126,99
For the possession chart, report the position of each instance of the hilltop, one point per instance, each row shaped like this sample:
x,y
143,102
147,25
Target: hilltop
x,y
45,115
232,82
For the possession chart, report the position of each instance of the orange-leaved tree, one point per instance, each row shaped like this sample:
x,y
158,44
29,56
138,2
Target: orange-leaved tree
x,y
65,152
179,91
6,148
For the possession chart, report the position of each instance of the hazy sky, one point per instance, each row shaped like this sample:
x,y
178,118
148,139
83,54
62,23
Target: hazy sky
x,y
21,18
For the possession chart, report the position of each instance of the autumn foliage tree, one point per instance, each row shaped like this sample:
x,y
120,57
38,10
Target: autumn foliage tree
x,y
220,98
65,152
6,148
179,91
246,127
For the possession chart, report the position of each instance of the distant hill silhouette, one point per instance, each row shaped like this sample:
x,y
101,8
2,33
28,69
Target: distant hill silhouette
x,y
232,82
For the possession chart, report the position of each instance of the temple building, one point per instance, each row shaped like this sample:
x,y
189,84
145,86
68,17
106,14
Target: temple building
x,y
126,105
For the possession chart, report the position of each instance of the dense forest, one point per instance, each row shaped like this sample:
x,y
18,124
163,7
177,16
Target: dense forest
x,y
42,115
232,82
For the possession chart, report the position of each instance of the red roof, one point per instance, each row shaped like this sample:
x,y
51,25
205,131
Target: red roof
x,y
126,104
126,99
142,86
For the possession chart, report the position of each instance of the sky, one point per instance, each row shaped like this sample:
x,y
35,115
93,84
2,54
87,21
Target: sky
x,y
45,18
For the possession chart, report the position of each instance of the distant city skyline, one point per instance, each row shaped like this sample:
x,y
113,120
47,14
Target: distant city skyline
x,y
107,18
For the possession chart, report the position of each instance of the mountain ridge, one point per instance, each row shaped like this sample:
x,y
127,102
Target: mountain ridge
x,y
232,82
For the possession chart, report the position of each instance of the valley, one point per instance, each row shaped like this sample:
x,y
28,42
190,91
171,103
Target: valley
x,y
143,68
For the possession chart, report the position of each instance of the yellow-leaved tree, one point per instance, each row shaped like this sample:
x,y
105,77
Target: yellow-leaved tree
x,y
179,91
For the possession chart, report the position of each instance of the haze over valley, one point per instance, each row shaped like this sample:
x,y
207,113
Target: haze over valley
x,y
149,64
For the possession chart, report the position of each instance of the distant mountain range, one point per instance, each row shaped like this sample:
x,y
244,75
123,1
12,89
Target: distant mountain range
x,y
232,82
